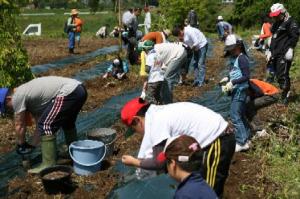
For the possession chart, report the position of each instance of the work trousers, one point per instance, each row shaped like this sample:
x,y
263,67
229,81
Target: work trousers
x,y
62,112
282,72
216,162
238,117
172,72
199,65
71,40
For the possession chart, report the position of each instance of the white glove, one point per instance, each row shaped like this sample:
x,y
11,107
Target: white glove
x,y
224,80
268,56
227,88
120,75
289,54
143,95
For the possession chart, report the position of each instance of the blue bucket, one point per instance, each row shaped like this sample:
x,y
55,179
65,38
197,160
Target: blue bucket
x,y
87,156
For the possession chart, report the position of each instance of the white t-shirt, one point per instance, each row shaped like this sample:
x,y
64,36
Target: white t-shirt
x,y
147,20
194,37
126,18
165,121
166,52
156,74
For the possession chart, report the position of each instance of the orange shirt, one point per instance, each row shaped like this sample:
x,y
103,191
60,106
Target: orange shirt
x,y
266,31
156,37
78,22
266,88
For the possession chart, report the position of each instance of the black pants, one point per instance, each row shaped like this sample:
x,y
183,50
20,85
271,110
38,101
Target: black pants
x,y
216,162
282,72
62,112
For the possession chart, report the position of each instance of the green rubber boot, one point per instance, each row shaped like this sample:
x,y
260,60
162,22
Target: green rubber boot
x,y
48,147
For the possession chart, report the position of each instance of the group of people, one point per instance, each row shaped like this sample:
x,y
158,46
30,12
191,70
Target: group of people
x,y
194,144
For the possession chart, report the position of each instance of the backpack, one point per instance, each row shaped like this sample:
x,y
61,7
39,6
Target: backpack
x,y
66,28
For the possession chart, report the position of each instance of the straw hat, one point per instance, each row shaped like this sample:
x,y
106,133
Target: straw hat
x,y
167,32
74,12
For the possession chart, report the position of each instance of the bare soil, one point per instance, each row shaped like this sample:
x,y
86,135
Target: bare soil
x,y
41,51
246,179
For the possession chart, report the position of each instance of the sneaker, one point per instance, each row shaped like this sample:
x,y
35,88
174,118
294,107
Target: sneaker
x,y
239,148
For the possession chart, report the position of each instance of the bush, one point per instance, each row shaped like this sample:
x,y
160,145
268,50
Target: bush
x,y
14,68
247,13
174,12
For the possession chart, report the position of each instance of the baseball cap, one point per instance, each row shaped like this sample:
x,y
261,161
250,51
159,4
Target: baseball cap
x,y
231,42
220,17
276,9
116,62
3,93
145,45
130,110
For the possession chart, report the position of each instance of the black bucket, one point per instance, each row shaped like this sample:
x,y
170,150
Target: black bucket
x,y
57,179
106,135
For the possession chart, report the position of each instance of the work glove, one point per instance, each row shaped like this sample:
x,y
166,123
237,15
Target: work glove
x,y
268,56
25,148
120,75
223,81
289,54
143,95
227,88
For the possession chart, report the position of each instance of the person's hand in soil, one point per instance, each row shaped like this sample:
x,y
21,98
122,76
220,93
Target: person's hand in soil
x,y
130,161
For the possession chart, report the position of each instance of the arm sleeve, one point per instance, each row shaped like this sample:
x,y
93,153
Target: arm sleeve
x,y
244,66
125,67
267,31
70,24
19,103
152,163
110,68
293,35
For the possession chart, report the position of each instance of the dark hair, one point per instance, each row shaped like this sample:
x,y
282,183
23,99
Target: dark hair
x,y
181,146
176,30
143,110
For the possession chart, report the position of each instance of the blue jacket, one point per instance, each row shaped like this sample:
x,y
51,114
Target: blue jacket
x,y
194,187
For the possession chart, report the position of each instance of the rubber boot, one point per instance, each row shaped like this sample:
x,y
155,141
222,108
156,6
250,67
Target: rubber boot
x,y
70,136
71,50
48,147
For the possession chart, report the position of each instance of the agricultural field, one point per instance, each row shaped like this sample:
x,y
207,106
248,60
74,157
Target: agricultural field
x,y
270,169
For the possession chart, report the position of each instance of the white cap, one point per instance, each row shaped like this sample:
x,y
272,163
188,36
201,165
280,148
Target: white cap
x,y
276,9
231,41
220,18
116,61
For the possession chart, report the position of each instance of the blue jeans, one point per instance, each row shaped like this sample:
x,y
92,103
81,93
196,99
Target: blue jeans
x,y
173,70
71,40
199,65
237,115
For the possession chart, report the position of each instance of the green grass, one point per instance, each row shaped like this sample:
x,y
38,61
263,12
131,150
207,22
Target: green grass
x,y
52,26
281,154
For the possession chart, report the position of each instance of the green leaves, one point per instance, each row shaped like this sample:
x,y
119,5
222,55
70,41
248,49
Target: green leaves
x,y
14,68
175,11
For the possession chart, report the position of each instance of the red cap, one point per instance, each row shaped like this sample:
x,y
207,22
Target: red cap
x,y
275,14
130,110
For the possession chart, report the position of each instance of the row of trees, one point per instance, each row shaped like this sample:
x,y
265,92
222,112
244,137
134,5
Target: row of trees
x,y
244,13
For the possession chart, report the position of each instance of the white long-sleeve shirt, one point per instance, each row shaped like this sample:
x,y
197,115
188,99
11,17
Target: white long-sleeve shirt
x,y
147,20
193,37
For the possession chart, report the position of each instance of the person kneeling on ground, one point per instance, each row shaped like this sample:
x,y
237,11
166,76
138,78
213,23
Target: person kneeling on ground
x,y
237,85
54,102
157,123
261,94
118,69
183,157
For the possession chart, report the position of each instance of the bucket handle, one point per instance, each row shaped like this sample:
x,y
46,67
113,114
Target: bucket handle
x,y
88,165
